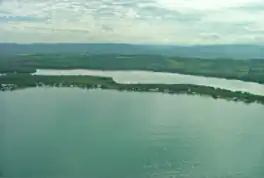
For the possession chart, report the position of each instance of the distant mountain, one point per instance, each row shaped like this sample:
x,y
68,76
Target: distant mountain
x,y
200,51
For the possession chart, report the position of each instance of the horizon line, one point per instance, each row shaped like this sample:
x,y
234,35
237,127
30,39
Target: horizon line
x,y
132,44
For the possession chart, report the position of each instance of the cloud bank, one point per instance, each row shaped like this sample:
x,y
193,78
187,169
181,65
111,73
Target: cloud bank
x,y
184,22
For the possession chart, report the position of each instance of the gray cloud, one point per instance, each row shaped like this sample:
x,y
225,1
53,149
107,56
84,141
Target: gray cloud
x,y
154,12
148,21
254,7
106,28
6,19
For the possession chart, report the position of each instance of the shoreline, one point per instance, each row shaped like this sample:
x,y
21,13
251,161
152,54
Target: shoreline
x,y
243,70
21,81
159,71
229,78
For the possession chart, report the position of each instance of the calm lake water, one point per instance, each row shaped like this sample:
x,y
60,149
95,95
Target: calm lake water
x,y
162,77
74,133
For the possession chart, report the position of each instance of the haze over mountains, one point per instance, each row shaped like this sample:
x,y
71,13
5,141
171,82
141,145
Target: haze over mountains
x,y
199,51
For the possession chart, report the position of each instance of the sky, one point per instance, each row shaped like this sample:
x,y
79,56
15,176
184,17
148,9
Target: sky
x,y
184,22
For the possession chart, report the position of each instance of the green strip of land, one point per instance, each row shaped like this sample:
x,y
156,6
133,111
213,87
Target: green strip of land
x,y
245,70
19,81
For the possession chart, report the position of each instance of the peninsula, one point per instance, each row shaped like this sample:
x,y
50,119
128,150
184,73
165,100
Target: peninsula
x,y
11,82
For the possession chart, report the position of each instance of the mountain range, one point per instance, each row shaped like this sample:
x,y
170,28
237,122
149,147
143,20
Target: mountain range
x,y
199,51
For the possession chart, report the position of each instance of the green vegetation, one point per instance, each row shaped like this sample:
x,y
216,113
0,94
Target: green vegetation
x,y
246,70
18,81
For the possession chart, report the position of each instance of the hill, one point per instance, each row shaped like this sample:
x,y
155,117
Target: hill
x,y
201,51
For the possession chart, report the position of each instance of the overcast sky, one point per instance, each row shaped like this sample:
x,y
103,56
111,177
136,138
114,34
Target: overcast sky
x,y
133,21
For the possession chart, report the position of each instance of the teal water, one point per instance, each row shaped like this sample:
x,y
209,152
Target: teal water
x,y
73,133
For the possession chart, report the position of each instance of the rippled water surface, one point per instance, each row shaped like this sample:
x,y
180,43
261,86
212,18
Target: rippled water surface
x,y
64,132
165,78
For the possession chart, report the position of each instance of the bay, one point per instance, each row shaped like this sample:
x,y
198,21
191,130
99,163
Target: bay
x,y
69,132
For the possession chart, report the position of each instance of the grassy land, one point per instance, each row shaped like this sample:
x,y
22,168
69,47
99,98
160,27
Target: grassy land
x,y
18,81
245,70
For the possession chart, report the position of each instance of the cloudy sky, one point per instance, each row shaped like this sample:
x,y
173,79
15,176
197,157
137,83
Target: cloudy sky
x,y
133,21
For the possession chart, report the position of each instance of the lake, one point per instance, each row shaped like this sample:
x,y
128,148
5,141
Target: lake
x,y
164,78
75,133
